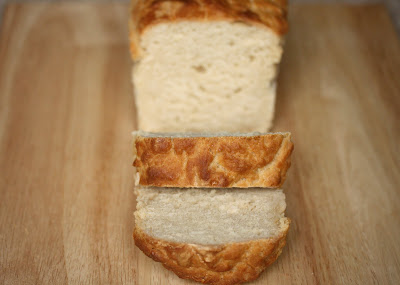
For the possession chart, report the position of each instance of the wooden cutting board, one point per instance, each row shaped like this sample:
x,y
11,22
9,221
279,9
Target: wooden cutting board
x,y
67,110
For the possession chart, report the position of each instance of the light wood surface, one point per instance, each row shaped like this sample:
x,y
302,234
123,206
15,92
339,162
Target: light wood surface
x,y
66,112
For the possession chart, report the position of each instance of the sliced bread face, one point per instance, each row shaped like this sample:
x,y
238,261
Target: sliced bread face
x,y
224,236
239,160
206,76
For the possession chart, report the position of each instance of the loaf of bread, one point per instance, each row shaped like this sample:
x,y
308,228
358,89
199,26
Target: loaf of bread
x,y
206,65
211,160
214,236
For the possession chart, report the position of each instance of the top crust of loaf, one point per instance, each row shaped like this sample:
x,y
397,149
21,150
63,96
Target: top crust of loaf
x,y
145,13
225,161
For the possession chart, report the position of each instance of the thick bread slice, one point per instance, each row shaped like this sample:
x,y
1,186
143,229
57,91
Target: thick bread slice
x,y
179,228
206,65
219,160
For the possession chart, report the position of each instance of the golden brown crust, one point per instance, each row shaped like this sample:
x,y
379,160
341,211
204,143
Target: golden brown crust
x,y
145,13
232,263
241,161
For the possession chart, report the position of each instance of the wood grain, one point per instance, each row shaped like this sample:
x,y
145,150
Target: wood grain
x,y
66,112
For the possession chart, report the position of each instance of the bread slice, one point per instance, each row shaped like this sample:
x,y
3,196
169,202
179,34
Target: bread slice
x,y
224,236
206,65
211,160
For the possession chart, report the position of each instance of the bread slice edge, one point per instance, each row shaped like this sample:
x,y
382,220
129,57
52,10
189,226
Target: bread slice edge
x,y
230,263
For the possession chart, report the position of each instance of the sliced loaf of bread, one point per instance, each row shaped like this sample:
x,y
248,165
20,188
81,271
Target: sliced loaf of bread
x,y
211,160
214,236
206,65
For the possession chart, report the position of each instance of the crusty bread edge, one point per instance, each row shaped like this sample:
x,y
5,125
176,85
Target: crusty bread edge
x,y
272,175
227,264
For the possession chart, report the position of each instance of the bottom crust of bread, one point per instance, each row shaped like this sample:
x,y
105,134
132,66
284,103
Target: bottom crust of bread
x,y
231,263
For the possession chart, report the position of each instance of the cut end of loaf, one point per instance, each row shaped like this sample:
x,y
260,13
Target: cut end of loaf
x,y
198,76
210,216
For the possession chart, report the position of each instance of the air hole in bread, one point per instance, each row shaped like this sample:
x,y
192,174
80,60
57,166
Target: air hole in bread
x,y
199,68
